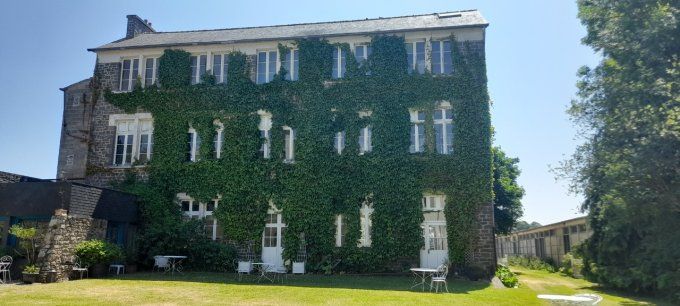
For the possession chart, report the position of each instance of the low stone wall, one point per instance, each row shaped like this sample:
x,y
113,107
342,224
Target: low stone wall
x,y
64,232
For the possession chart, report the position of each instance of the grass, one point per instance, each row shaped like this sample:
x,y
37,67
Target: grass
x,y
216,288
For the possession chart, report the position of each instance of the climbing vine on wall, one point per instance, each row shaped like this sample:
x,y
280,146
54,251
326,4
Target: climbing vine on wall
x,y
321,183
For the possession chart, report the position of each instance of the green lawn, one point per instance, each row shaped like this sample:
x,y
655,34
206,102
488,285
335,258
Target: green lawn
x,y
215,288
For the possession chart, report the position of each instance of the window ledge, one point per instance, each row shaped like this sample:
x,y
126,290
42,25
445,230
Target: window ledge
x,y
126,166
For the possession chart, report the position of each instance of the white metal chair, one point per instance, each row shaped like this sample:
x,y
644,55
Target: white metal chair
x,y
160,262
5,265
439,277
244,267
78,267
281,273
299,267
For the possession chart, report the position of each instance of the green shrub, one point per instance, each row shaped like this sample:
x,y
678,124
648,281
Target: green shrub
x,y
28,244
92,252
31,269
507,277
533,263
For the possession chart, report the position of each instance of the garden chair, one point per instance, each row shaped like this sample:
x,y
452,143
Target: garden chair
x,y
244,267
5,265
78,267
439,277
281,273
160,262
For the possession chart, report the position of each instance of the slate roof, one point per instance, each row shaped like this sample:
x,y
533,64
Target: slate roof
x,y
444,20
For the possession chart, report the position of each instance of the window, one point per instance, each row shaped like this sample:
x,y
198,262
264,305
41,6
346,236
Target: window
x,y
265,126
124,142
415,52
266,66
145,140
339,68
581,228
193,145
361,54
417,132
365,145
129,74
441,57
150,71
574,229
289,144
340,230
434,202
134,138
193,209
366,223
292,64
339,142
443,130
218,140
198,67
219,67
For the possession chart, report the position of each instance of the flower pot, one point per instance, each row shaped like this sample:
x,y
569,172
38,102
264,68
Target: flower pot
x,y
99,270
29,278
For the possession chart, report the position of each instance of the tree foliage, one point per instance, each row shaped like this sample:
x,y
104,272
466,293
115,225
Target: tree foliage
x,y
628,108
507,192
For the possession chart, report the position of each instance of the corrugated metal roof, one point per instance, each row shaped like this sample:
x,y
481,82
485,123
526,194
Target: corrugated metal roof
x,y
469,18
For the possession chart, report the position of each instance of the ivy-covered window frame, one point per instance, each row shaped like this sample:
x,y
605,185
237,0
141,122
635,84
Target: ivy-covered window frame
x,y
339,63
193,209
417,134
366,223
267,65
415,52
440,56
291,62
129,71
199,66
340,230
150,71
265,127
433,202
362,51
443,127
365,140
133,141
220,66
339,142
193,145
218,140
289,135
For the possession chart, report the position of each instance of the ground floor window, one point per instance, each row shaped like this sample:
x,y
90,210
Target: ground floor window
x,y
197,210
340,230
366,223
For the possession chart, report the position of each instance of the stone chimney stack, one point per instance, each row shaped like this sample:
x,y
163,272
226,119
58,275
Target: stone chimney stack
x,y
136,26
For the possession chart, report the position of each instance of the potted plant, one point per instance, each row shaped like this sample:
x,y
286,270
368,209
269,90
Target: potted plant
x,y
97,255
30,274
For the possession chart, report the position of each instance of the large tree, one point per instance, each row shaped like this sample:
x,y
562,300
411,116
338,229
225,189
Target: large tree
x,y
507,193
628,110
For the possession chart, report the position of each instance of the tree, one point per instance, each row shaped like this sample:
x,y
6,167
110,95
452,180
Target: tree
x,y
28,243
523,225
628,110
507,193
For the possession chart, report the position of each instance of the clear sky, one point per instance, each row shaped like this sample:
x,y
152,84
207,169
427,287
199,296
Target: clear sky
x,y
533,52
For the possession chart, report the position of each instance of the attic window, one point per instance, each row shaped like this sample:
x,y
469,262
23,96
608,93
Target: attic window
x,y
448,15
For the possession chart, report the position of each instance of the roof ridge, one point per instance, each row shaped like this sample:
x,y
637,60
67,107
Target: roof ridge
x,y
309,23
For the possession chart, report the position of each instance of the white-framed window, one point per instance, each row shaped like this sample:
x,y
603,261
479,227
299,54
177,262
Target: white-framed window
x,y
220,65
218,140
339,61
134,138
198,67
339,142
289,144
193,209
266,66
129,73
365,216
434,202
291,62
150,71
193,145
443,129
415,52
361,54
265,134
365,145
441,57
417,131
340,230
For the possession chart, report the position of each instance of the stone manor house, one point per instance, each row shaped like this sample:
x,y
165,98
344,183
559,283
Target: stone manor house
x,y
99,135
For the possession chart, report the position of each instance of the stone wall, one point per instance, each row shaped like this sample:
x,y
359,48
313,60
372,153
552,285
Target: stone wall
x,y
64,232
136,26
75,131
483,252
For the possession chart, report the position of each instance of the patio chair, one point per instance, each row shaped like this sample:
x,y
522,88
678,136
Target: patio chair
x,y
244,267
5,265
299,267
281,273
439,277
79,268
160,262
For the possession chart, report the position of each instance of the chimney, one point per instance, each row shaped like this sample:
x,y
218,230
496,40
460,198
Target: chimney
x,y
136,26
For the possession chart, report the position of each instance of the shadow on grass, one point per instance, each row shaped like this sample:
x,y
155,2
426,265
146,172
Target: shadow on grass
x,y
626,294
392,283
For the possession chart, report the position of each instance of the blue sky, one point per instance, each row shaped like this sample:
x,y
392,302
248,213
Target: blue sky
x,y
533,51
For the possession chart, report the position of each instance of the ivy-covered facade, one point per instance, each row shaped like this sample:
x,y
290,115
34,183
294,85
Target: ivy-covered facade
x,y
362,145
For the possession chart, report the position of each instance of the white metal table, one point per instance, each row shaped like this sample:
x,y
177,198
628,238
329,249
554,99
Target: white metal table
x,y
420,276
264,268
174,263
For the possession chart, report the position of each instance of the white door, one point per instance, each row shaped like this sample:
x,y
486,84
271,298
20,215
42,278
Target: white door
x,y
272,239
435,251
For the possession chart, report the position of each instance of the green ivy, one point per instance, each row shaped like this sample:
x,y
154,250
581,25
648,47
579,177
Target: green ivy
x,y
321,183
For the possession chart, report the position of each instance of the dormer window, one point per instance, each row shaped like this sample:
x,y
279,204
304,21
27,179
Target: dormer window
x,y
129,74
198,67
